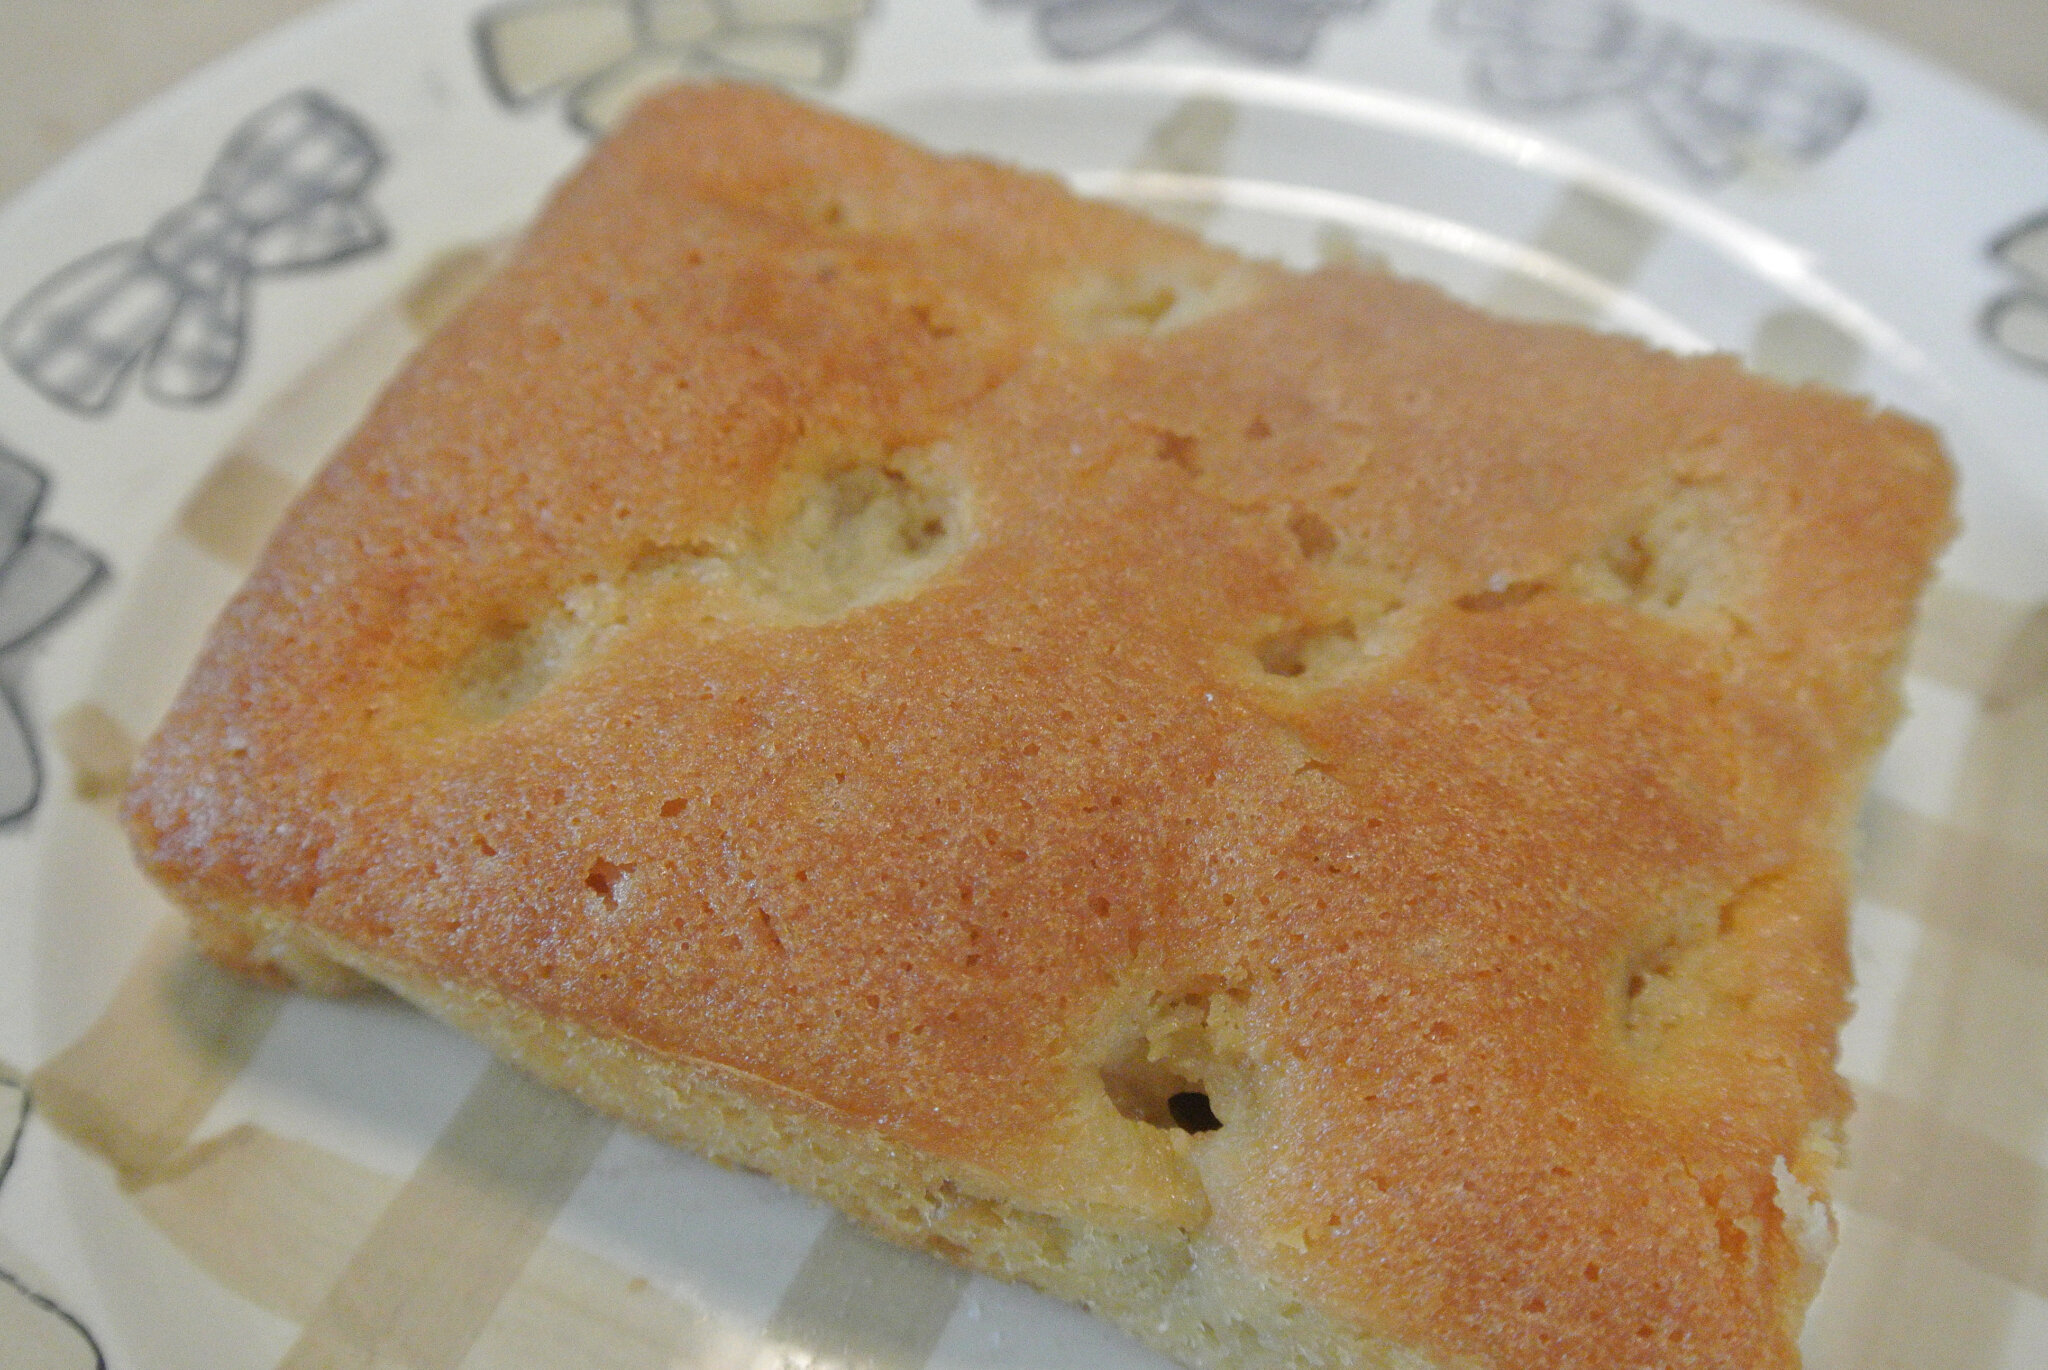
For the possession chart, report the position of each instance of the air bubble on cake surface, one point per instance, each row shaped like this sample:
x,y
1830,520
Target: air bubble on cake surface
x,y
834,210
608,880
1673,561
1349,614
1317,650
1177,1063
1501,592
1150,299
516,662
839,538
1314,650
1178,450
1675,974
1312,534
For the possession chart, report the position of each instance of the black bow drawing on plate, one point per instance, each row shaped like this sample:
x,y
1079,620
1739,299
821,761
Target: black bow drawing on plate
x,y
54,1338
1720,107
282,196
1266,30
605,54
2017,321
43,576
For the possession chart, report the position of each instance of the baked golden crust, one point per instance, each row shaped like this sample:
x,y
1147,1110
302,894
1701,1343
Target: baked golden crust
x,y
961,666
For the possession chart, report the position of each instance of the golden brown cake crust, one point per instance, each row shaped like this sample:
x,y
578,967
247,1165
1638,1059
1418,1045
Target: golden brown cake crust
x,y
973,660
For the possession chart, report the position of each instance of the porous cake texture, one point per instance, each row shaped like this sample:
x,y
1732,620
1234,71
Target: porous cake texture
x,y
1298,814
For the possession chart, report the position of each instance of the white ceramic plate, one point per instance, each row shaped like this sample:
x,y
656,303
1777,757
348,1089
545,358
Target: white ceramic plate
x,y
196,304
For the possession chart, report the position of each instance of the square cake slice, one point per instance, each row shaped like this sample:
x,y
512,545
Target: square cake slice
x,y
1298,814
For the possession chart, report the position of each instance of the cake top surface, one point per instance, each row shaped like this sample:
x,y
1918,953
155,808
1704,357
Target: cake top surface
x,y
987,663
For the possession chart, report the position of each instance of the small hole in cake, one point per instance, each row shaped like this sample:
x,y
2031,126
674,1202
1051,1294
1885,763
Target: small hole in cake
x,y
1312,649
933,320
1154,298
1653,973
1735,1237
660,560
606,880
1178,449
1312,534
1145,1090
1178,1065
1628,561
1675,560
1190,1111
852,535
1138,308
1673,981
836,213
514,663
1501,593
509,668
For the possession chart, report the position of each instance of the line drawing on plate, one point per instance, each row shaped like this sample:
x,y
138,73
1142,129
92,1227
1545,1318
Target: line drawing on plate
x,y
603,55
1279,31
1719,107
14,1112
44,575
2016,323
283,195
31,1321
